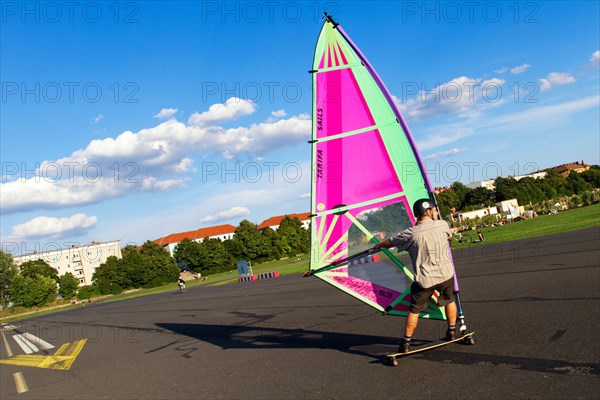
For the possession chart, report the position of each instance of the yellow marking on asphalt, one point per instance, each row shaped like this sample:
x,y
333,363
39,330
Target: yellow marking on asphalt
x,y
20,382
63,359
6,345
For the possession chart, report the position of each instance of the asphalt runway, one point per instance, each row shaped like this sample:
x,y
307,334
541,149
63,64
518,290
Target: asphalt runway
x,y
534,304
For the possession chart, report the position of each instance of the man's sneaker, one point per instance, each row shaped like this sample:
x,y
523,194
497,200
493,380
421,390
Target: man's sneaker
x,y
450,334
404,346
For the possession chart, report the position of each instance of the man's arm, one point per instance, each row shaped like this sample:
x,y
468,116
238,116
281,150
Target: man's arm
x,y
400,242
386,244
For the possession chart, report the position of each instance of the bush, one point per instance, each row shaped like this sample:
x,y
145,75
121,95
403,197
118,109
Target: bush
x,y
587,198
110,288
33,292
87,292
575,202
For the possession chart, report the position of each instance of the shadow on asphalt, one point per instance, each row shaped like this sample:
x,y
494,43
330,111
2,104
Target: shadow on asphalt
x,y
270,337
373,347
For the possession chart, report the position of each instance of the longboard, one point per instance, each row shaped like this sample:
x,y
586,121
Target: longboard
x,y
467,338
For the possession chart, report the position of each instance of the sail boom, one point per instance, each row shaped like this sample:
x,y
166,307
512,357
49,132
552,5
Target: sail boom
x,y
327,69
356,131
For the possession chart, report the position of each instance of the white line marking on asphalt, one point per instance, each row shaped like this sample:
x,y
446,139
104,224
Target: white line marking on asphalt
x,y
30,343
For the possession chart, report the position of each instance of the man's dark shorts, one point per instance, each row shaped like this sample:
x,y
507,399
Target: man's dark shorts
x,y
420,296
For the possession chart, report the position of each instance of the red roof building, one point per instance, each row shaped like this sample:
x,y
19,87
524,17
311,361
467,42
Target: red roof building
x,y
274,222
221,232
224,232
565,169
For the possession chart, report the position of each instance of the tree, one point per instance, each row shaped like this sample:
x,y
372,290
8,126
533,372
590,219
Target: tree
x,y
235,248
8,271
479,197
33,291
109,276
188,254
38,267
461,192
576,184
215,257
530,190
506,189
293,239
273,238
255,246
556,181
129,249
150,266
447,200
68,285
159,263
592,176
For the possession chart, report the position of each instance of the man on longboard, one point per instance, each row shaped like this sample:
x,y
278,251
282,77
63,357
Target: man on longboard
x,y
427,243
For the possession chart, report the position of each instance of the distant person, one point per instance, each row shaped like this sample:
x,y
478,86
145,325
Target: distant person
x,y
181,284
427,243
480,235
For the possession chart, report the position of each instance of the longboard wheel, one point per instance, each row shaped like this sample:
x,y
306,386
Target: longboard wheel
x,y
395,362
470,340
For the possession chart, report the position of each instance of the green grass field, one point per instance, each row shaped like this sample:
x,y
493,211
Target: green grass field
x,y
565,221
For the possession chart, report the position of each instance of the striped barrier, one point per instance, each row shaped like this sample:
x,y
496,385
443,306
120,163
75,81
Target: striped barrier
x,y
365,260
268,275
247,278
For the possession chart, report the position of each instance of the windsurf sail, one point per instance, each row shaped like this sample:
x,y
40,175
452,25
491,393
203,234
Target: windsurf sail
x,y
367,174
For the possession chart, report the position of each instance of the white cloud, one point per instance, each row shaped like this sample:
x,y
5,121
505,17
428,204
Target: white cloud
x,y
279,113
454,133
232,109
502,70
537,119
166,113
460,96
141,161
54,228
520,69
226,214
595,59
305,195
43,193
97,119
556,78
532,120
446,153
259,138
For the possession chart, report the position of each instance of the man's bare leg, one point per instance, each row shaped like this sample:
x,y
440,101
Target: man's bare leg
x,y
412,321
451,312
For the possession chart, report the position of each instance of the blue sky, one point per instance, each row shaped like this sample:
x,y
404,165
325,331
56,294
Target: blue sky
x,y
134,120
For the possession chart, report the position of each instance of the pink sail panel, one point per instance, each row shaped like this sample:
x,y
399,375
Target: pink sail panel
x,y
340,58
353,170
378,294
340,104
368,290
